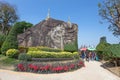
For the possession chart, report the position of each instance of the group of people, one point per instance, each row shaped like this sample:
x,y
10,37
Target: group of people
x,y
89,55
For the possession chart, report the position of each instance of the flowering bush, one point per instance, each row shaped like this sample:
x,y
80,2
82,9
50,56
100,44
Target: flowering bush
x,y
50,68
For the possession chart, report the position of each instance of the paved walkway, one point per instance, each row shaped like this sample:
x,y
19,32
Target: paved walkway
x,y
92,71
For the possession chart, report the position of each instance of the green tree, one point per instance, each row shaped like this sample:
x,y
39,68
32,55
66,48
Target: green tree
x,y
7,17
21,26
11,41
113,53
2,39
103,39
110,10
102,46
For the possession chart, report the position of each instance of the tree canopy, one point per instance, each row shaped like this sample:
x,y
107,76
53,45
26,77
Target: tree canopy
x,y
110,10
21,26
8,17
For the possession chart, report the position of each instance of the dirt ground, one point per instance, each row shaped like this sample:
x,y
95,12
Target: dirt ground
x,y
111,67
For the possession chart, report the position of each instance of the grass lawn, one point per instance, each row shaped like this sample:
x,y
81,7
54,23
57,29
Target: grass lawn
x,y
7,63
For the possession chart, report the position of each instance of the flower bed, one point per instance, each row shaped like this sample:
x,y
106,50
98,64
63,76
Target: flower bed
x,y
50,59
50,68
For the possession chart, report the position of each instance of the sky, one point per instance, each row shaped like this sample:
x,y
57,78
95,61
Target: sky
x,y
82,12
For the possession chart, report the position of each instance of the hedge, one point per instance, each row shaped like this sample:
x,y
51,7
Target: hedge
x,y
44,49
44,54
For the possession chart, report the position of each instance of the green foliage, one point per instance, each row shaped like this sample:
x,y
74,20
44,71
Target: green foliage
x,y
76,55
12,53
2,39
6,61
24,57
112,51
101,47
71,47
102,44
44,54
21,26
11,41
44,49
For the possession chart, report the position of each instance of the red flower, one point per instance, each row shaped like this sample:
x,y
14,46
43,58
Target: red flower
x,y
81,63
21,67
30,66
65,68
72,66
35,67
57,69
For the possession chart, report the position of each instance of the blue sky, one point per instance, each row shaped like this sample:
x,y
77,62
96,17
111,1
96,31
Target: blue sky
x,y
82,12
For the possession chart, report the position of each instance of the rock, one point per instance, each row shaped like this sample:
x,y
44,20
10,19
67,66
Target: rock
x,y
51,33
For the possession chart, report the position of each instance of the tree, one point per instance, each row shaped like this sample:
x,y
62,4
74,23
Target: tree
x,y
8,17
103,39
110,10
10,41
102,46
21,26
113,53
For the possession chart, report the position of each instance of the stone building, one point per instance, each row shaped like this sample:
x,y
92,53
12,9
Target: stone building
x,y
49,32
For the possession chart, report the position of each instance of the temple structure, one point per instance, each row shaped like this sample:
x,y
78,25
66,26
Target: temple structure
x,y
49,32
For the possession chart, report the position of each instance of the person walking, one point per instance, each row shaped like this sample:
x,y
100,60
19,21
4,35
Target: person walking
x,y
83,55
87,55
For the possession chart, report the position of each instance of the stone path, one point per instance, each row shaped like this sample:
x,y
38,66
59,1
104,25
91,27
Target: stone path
x,y
92,71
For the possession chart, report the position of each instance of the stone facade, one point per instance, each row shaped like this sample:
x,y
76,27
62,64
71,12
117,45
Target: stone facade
x,y
51,33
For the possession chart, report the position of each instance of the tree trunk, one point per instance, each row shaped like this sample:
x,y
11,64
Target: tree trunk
x,y
117,68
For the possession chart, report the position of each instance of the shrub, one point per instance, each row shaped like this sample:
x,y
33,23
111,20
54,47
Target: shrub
x,y
44,54
12,53
44,49
49,49
76,55
10,41
24,57
71,47
33,49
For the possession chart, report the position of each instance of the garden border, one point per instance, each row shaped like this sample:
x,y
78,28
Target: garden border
x,y
51,59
